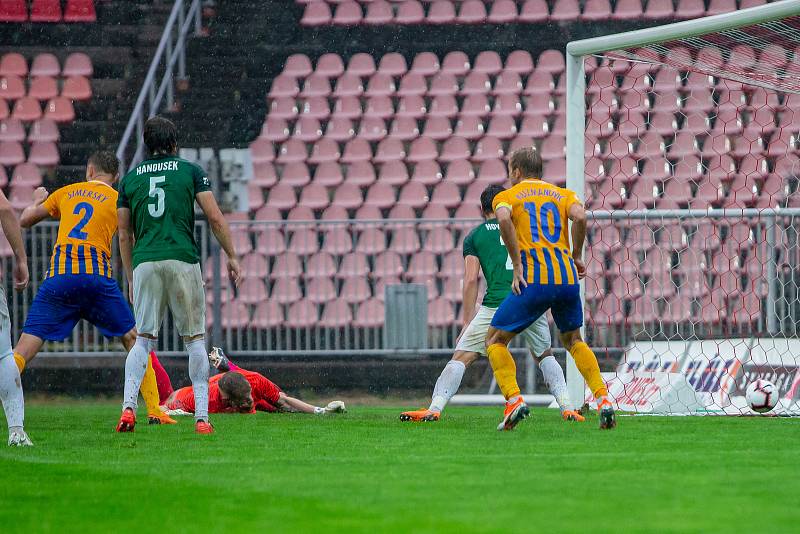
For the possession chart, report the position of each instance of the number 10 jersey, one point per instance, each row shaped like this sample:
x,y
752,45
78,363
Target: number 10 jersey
x,y
160,192
539,211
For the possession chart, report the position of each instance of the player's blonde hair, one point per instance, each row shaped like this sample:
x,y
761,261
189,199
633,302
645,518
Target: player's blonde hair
x,y
528,161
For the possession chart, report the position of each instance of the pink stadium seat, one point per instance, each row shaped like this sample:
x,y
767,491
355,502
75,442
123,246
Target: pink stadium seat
x,y
440,313
320,290
441,12
453,149
13,64
443,84
379,12
283,108
390,149
488,148
472,12
716,7
354,265
470,127
325,150
393,63
13,11
315,108
316,85
348,84
502,127
347,107
370,314
425,64
551,61
565,10
404,129
437,128
286,291
422,264
262,151
255,265
534,11
439,241
59,109
381,196
45,65
493,171
402,212
422,149
427,173
503,12
80,11
12,87
347,14
4,111
252,291
658,10
302,314
410,12
298,66
413,194
45,11
255,197
393,173
268,314
328,174
488,62
316,14
271,241
11,154
355,290
595,10
235,315
330,65
387,264
282,196
405,240
446,194
307,129
380,107
380,84
264,174
337,314
282,86
690,9
443,106
476,106
412,107
292,151
360,173
372,129
274,130
476,83
44,154
457,63
77,64
27,175
338,241
319,265
535,126
506,105
362,64
314,196
12,130
20,197
460,173
371,241
507,83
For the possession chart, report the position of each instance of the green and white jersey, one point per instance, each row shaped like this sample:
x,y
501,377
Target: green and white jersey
x,y
485,242
160,192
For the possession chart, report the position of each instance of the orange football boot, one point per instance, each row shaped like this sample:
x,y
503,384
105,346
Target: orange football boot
x,y
160,418
127,421
572,415
513,414
423,414
203,427
606,411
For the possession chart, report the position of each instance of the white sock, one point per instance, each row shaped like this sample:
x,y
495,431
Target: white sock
x,y
447,385
554,378
198,372
135,366
11,392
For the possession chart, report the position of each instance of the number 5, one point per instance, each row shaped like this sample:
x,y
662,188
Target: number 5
x,y
157,210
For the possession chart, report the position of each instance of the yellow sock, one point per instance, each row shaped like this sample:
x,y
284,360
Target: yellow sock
x,y
20,361
586,362
149,389
505,370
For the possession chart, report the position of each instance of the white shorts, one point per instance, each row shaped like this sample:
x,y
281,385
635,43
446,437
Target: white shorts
x,y
5,325
536,336
174,284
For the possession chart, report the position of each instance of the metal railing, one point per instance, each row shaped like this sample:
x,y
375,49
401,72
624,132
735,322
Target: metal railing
x,y
169,57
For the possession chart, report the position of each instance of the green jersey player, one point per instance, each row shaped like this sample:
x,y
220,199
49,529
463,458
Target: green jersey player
x,y
162,260
485,251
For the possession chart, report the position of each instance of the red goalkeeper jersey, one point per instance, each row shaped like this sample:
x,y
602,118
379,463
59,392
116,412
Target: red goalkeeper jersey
x,y
265,395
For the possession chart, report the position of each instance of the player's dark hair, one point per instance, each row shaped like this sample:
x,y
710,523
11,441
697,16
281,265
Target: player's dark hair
x,y
160,136
105,161
528,161
487,197
236,388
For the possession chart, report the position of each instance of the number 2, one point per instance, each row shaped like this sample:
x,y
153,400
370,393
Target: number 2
x,y
542,220
77,231
157,210
509,263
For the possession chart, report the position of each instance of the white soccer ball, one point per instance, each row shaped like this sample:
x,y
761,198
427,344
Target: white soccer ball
x,y
761,395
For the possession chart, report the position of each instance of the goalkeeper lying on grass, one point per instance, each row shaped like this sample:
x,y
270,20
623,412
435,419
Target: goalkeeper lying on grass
x,y
233,390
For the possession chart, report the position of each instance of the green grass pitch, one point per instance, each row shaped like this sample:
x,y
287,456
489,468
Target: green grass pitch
x,y
366,471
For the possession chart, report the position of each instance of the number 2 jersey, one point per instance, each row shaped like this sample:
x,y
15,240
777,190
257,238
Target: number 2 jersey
x,y
88,214
160,192
539,212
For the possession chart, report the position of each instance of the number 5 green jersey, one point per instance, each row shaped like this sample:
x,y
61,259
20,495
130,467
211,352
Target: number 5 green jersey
x,y
160,192
485,243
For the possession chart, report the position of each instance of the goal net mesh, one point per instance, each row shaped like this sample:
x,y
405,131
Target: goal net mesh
x,y
709,301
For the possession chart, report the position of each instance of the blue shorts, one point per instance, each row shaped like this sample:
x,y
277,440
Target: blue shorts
x,y
64,300
518,312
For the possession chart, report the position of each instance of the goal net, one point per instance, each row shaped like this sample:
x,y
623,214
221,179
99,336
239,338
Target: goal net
x,y
689,160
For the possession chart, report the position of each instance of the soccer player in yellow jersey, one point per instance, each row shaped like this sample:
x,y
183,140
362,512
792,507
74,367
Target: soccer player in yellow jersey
x,y
78,283
534,224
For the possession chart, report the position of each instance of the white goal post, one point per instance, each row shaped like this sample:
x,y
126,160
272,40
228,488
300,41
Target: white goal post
x,y
680,150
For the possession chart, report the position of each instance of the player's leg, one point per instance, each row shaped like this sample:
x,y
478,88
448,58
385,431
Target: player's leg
x,y
26,350
10,383
568,315
149,304
187,303
537,338
163,382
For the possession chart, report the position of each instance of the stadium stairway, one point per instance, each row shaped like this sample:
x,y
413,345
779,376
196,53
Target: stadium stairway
x,y
120,44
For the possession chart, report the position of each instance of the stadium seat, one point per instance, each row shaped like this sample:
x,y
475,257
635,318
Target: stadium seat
x,y
405,240
596,10
347,14
443,84
255,265
488,148
393,173
45,65
454,149
349,85
324,151
472,12
404,129
502,12
251,291
12,87
302,314
565,10
460,173
387,264
394,63
268,314
316,14
413,194
337,314
427,173
13,11
59,109
315,108
380,84
44,154
410,12
441,12
13,64
370,314
286,291
77,64
422,264
371,241
320,290
379,12
457,63
80,11
45,11
690,9
283,108
330,65
316,85
12,130
476,83
372,129
297,66
534,11
443,106
437,128
11,154
26,175
307,129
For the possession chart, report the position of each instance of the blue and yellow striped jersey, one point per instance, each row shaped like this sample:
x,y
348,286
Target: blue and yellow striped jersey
x,y
539,211
88,214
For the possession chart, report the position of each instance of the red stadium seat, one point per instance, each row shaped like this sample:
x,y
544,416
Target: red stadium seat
x,y
422,149
402,212
658,10
13,11
439,241
502,127
405,240
80,11
298,66
328,174
413,194
565,10
316,14
348,84
503,12
372,129
11,153
488,62
427,173
457,63
77,64
412,106
394,64
443,106
59,109
44,154
472,12
379,12
347,14
360,173
357,150
46,11
534,11
446,194
347,107
507,105
410,12
13,64
441,12
393,173
12,87
27,110
12,130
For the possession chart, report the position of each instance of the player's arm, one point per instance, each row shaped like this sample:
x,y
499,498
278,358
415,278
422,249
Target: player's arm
x,y
577,214
469,290
36,212
221,231
509,235
8,220
126,241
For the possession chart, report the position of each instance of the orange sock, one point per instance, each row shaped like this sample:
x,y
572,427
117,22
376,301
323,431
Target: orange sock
x,y
505,370
20,361
586,362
